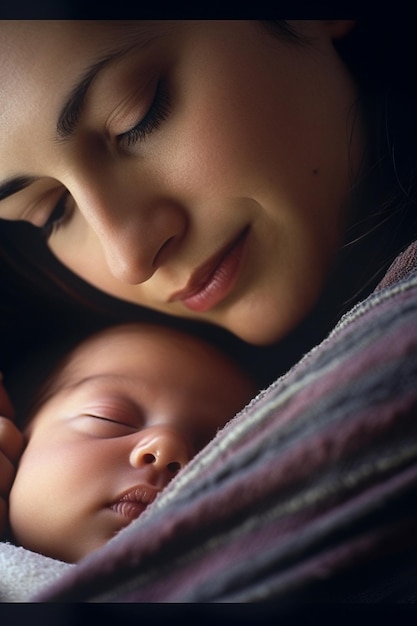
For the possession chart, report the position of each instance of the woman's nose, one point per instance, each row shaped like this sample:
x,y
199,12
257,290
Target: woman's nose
x,y
136,247
162,448
137,229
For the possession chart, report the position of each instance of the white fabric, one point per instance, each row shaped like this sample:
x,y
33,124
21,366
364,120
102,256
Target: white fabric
x,y
24,573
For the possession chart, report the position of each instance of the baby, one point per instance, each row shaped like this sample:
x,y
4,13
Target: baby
x,y
120,416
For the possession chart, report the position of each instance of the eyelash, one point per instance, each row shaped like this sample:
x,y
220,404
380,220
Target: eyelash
x,y
109,420
112,428
57,216
157,113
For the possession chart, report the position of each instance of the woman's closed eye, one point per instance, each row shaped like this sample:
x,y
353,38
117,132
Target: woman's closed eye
x,y
155,116
58,216
157,113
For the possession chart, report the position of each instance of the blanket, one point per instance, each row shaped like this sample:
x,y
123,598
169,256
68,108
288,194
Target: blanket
x,y
23,573
308,494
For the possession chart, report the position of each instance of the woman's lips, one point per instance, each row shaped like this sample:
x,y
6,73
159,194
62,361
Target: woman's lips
x,y
133,502
213,280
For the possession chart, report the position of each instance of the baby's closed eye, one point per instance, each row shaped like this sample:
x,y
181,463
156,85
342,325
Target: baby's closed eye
x,y
103,426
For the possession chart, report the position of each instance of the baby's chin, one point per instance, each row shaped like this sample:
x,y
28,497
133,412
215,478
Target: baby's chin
x,y
95,545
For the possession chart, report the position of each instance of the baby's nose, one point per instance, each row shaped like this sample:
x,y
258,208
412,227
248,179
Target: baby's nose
x,y
163,448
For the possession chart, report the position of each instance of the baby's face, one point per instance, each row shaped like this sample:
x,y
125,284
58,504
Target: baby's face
x,y
129,409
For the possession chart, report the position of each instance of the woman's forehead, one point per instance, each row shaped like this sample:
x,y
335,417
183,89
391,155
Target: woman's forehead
x,y
33,52
18,36
41,65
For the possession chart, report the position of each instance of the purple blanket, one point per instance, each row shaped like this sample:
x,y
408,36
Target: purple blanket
x,y
315,480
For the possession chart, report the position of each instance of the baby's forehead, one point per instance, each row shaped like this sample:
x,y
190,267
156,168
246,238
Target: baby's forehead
x,y
85,367
139,338
105,341
143,351
94,350
134,331
110,346
69,364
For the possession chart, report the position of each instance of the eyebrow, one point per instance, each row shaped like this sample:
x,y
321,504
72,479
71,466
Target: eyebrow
x,y
71,111
67,120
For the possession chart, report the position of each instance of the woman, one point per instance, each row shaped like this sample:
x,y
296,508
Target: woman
x,y
256,178
210,200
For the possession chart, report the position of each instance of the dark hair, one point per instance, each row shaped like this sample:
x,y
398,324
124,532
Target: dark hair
x,y
29,380
381,53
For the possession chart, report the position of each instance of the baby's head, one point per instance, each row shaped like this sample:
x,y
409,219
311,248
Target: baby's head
x,y
122,414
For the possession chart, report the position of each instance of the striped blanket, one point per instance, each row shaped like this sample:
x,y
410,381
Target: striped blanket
x,y
308,495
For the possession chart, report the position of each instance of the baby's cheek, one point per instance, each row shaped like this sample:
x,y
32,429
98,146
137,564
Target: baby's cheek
x,y
32,495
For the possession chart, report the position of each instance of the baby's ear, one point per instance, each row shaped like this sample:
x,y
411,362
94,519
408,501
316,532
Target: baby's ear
x,y
338,29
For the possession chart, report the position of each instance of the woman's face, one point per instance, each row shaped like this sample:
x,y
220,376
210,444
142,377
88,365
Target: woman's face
x,y
199,168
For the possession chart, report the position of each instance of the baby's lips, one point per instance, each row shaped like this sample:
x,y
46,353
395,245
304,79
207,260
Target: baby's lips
x,y
134,501
145,494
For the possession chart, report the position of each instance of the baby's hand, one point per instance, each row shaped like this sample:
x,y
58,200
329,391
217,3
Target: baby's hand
x,y
11,446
